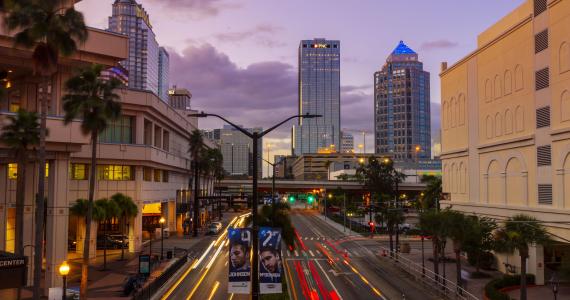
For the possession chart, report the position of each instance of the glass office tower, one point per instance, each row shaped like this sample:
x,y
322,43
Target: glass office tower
x,y
402,107
319,93
163,72
130,18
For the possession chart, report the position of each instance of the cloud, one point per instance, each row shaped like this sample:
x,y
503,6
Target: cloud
x,y
260,94
438,44
357,103
197,9
262,34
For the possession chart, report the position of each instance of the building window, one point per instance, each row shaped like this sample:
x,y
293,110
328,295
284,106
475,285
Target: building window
x,y
545,194
541,41
543,155
119,131
157,175
14,107
115,172
148,132
166,141
147,174
157,136
539,7
78,171
164,176
13,171
542,79
543,117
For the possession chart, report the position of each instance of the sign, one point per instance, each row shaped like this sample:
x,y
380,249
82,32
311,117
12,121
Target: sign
x,y
239,281
144,264
13,270
270,264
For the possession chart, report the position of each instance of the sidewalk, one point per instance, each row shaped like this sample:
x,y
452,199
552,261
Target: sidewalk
x,y
109,284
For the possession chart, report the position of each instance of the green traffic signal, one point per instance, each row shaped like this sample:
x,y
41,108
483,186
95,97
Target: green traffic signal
x,y
310,199
291,198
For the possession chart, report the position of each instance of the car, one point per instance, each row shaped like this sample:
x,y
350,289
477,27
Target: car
x,y
214,228
71,244
114,241
404,227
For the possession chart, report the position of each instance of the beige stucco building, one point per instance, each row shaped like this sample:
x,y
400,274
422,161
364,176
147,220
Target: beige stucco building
x,y
143,154
506,126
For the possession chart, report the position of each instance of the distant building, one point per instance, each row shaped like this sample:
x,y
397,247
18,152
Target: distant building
x,y
179,98
319,93
347,142
237,150
131,19
284,166
318,166
402,107
163,73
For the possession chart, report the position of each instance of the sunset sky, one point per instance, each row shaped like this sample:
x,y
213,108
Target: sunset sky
x,y
239,58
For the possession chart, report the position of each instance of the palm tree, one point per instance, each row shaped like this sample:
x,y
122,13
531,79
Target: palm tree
x,y
460,230
110,211
215,160
481,240
21,133
196,145
94,101
127,210
433,223
517,233
432,193
50,29
393,217
79,209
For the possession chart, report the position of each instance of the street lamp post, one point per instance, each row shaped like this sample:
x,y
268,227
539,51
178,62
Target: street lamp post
x,y
232,159
64,271
272,188
344,208
255,136
554,282
161,221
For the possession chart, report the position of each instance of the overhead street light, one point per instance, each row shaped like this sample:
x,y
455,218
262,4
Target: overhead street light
x,y
255,136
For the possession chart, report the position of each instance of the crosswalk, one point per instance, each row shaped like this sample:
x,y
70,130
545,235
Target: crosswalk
x,y
318,254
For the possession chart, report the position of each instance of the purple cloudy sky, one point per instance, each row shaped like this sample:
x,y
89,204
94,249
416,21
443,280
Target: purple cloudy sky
x,y
239,58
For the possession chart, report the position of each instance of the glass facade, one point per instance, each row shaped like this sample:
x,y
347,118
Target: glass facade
x,y
163,72
319,93
402,107
130,18
119,131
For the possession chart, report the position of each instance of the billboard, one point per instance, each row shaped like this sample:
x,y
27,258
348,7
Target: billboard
x,y
239,281
270,264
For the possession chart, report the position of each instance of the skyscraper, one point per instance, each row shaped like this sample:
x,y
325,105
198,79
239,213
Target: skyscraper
x,y
319,93
130,18
163,72
402,107
347,142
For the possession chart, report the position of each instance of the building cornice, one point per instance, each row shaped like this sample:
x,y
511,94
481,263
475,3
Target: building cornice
x,y
523,141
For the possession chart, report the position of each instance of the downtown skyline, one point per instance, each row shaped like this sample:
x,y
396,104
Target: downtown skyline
x,y
251,48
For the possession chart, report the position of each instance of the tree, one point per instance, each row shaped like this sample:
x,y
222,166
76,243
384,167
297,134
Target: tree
x,y
432,192
518,233
127,210
460,230
433,223
80,208
109,210
50,28
481,240
393,217
94,101
280,218
21,133
195,149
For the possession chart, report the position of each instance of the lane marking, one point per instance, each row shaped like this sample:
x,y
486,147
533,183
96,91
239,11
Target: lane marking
x,y
311,252
214,289
174,286
328,278
291,285
231,296
296,253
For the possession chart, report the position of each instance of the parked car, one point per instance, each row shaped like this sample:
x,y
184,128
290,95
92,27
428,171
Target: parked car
x,y
404,227
71,244
214,228
114,241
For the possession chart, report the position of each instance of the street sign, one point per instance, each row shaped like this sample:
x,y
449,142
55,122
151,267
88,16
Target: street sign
x,y
13,270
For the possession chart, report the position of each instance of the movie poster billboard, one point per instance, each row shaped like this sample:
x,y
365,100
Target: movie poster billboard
x,y
270,264
239,281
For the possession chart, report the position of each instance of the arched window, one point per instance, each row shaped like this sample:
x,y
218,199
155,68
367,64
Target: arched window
x,y
564,57
498,87
454,112
498,125
508,121
461,109
516,183
565,106
454,178
519,119
519,80
508,82
488,91
461,178
445,116
494,183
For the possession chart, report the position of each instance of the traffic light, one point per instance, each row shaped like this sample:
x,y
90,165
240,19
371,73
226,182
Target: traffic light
x,y
310,199
291,198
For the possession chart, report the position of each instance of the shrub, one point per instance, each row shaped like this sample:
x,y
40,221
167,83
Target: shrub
x,y
492,288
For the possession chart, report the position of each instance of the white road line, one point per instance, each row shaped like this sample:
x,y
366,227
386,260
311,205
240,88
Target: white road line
x,y
311,252
296,253
328,278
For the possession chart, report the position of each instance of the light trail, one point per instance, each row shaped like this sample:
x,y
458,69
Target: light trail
x,y
214,289
374,289
173,287
292,284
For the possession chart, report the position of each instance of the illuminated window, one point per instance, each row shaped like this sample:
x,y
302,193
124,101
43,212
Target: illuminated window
x,y
79,171
13,170
14,107
115,172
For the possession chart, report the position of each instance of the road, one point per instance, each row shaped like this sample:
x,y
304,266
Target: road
x,y
325,265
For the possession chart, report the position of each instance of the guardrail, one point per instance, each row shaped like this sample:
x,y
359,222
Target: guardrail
x,y
436,282
148,291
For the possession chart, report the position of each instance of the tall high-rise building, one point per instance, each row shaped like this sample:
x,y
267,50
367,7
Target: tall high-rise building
x,y
237,150
319,93
347,142
131,19
163,73
402,107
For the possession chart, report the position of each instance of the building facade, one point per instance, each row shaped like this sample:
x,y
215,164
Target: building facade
x,y
319,93
163,73
347,142
513,156
179,98
237,150
402,107
131,19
